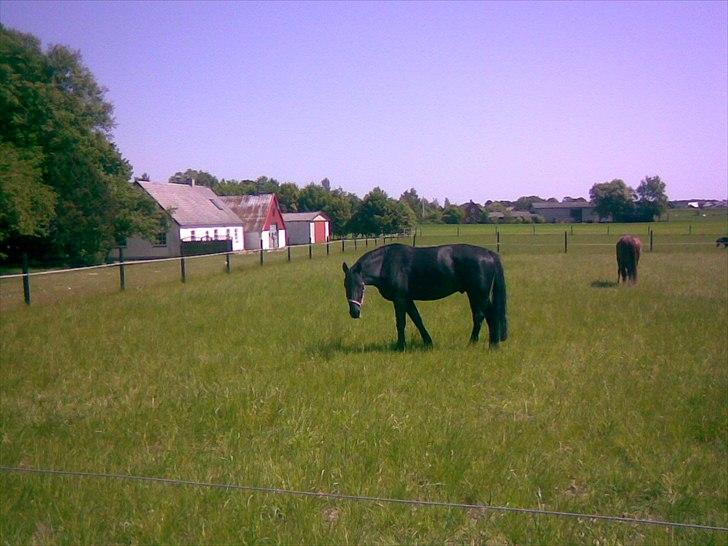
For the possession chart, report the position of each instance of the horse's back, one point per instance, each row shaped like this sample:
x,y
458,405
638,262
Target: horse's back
x,y
435,272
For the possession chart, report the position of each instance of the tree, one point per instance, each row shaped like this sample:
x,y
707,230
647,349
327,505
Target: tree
x,y
288,195
326,184
614,199
378,214
652,200
67,185
453,215
201,178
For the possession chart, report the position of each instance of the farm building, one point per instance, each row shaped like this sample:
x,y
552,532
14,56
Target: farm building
x,y
201,223
303,228
571,211
472,213
262,220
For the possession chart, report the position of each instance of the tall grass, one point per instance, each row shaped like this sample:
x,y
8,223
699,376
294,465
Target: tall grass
x,y
604,399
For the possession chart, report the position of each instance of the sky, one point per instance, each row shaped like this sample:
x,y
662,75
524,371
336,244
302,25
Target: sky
x,y
465,101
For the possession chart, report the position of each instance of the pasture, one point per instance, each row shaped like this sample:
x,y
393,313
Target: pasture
x,y
604,400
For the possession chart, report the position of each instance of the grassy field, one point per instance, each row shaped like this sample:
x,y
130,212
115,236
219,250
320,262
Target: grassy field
x,y
604,399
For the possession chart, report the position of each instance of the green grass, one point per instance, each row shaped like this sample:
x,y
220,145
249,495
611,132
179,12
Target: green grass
x,y
604,399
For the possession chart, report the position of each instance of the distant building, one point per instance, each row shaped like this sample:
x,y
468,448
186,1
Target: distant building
x,y
303,228
571,211
472,213
200,223
262,220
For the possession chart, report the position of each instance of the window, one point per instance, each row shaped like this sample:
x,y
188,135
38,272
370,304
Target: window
x,y
207,234
214,233
227,234
161,240
236,235
192,235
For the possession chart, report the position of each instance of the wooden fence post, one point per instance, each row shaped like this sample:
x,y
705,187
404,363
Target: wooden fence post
x,y
289,252
227,262
122,277
651,232
343,241
566,242
310,251
497,240
354,242
26,279
183,272
458,231
327,248
261,252
414,239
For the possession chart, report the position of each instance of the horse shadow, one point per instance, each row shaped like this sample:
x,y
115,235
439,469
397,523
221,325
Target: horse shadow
x,y
327,349
604,284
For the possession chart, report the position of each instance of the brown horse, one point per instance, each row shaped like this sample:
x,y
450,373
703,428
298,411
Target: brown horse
x,y
628,256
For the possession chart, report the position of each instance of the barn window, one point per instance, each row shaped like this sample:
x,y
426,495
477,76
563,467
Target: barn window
x,y
160,240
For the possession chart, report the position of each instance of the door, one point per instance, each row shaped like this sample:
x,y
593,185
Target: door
x,y
319,232
273,236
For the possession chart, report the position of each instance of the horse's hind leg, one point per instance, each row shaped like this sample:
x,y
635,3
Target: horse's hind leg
x,y
477,305
417,319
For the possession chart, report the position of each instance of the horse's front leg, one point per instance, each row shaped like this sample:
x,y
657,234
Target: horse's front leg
x,y
400,315
417,319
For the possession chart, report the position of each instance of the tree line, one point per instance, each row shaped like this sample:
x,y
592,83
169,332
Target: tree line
x,y
65,191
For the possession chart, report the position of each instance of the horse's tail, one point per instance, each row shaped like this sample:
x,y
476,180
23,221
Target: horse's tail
x,y
499,300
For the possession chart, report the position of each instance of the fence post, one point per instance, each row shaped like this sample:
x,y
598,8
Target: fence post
x,y
122,278
458,231
607,229
289,251
651,240
343,242
227,262
533,226
566,242
414,239
261,252
26,279
366,241
497,240
183,272
327,248
354,242
310,251
572,229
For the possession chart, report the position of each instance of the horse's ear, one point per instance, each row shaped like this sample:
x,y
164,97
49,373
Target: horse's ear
x,y
345,267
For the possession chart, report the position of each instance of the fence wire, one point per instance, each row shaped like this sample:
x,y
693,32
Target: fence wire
x,y
359,498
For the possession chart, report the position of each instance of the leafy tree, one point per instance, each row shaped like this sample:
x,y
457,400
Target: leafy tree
x,y
379,214
326,184
337,204
55,130
27,205
613,198
453,215
201,178
288,194
653,200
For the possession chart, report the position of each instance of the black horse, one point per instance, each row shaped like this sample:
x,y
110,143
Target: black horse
x,y
404,274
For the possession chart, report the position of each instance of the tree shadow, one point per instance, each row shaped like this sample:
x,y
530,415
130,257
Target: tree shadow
x,y
604,284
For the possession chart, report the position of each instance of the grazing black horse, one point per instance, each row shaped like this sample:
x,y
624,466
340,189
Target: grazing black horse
x,y
628,256
404,274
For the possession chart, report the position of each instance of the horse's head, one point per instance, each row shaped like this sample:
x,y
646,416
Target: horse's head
x,y
354,285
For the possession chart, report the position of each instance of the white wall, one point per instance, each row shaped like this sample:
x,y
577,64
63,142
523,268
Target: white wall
x,y
236,234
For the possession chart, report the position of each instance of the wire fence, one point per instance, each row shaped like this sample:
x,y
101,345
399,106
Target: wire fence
x,y
29,286
361,498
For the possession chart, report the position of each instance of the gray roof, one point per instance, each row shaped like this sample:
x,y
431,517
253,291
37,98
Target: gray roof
x,y
303,216
252,210
567,205
191,205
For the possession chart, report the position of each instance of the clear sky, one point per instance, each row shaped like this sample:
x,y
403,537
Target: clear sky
x,y
460,100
